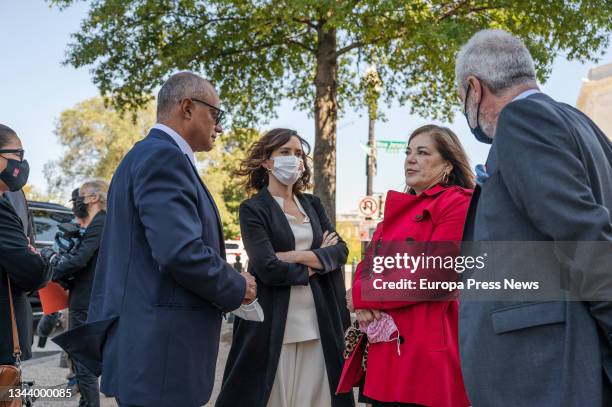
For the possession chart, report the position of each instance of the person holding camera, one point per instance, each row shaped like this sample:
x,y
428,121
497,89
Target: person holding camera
x,y
75,269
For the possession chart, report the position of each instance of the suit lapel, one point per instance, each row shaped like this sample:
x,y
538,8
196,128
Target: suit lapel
x,y
214,205
156,133
279,222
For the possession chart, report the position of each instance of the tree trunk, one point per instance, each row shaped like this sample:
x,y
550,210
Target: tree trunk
x,y
326,113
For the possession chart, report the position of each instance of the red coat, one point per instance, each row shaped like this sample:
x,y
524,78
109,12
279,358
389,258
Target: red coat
x,y
427,371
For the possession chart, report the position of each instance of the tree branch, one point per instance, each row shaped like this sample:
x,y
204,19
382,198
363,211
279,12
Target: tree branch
x,y
452,10
308,22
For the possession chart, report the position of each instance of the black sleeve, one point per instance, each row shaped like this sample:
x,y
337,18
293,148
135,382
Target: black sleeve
x,y
331,257
266,266
26,269
72,262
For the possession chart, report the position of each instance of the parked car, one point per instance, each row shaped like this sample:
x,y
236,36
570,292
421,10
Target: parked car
x,y
46,217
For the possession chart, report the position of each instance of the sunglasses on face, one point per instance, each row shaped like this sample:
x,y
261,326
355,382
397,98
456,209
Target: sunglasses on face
x,y
216,112
18,152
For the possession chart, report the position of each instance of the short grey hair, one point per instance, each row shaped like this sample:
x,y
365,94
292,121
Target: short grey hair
x,y
179,86
497,58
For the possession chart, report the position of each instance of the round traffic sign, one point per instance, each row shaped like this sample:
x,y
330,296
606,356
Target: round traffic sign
x,y
368,206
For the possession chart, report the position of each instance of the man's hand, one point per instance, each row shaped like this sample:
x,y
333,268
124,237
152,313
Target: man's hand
x,y
251,287
367,315
329,239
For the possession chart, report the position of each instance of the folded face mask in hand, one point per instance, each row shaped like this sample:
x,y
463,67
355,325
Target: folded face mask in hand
x,y
250,312
381,330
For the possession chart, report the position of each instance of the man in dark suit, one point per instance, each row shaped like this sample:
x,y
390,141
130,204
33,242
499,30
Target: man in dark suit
x,y
548,178
162,282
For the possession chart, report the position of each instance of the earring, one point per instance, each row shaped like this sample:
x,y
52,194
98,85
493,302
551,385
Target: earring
x,y
445,178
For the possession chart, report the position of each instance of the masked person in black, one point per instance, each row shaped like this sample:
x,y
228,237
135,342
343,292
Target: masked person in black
x,y
19,262
77,266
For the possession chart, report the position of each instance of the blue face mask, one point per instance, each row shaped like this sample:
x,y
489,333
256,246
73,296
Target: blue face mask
x,y
476,131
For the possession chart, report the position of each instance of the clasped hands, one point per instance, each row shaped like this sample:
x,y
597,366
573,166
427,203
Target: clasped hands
x,y
307,257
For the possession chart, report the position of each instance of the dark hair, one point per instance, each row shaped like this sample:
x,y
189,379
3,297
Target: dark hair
x,y
6,135
256,176
450,148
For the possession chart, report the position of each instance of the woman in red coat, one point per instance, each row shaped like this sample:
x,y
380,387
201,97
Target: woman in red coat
x,y
422,367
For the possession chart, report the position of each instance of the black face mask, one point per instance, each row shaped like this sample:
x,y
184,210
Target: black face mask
x,y
477,131
16,173
80,208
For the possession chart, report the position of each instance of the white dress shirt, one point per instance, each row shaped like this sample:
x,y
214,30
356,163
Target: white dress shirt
x,y
525,94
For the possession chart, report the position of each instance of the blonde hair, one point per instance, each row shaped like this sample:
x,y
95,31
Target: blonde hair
x,y
98,188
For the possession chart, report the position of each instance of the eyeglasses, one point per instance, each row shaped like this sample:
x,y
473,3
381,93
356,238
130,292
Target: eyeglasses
x,y
19,152
217,113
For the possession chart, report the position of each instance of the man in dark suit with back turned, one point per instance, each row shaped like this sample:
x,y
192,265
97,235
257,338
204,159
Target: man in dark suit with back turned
x,y
548,178
161,281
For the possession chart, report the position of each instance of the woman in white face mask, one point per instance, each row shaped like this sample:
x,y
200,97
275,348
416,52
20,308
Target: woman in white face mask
x,y
297,259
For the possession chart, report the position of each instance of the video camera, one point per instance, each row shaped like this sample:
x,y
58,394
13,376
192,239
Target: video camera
x,y
68,237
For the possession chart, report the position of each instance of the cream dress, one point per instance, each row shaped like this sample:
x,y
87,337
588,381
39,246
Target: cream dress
x,y
301,377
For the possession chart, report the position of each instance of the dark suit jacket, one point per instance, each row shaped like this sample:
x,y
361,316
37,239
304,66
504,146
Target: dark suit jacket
x,y
256,346
80,264
27,271
550,180
161,283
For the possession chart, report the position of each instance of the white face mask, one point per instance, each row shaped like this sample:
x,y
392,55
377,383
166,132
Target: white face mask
x,y
287,169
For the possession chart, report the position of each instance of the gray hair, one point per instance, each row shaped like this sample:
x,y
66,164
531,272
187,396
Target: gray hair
x,y
6,135
179,86
497,58
97,187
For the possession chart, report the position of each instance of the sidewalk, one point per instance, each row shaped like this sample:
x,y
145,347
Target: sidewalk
x,y
45,371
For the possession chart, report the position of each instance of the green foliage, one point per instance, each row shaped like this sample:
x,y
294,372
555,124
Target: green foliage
x,y
259,52
350,233
96,137
217,172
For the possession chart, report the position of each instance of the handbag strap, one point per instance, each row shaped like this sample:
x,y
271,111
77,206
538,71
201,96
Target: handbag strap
x,y
16,347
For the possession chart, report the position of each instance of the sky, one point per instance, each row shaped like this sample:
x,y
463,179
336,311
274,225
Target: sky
x,y
35,88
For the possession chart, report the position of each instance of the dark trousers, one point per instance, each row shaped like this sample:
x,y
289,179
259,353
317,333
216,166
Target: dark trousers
x,y
88,382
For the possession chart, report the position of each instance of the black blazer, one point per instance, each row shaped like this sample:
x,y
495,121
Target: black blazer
x,y
256,346
27,271
80,263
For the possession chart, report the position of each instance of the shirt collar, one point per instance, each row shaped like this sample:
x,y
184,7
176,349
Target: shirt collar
x,y
178,139
525,94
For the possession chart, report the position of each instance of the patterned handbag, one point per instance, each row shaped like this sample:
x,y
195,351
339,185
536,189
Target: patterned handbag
x,y
355,359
